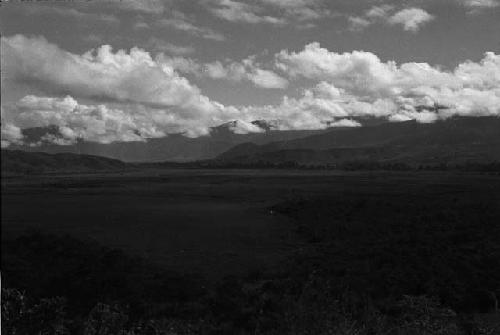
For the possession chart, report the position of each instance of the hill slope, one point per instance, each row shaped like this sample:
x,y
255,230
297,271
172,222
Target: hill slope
x,y
20,162
454,141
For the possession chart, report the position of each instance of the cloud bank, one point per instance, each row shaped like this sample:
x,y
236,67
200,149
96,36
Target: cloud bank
x,y
106,96
125,77
360,84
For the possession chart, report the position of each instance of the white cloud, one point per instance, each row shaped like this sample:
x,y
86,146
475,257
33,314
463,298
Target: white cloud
x,y
345,123
100,73
359,71
248,70
95,123
359,84
267,79
148,97
412,19
475,6
104,124
379,11
307,112
139,84
141,97
243,127
180,64
245,70
11,134
358,23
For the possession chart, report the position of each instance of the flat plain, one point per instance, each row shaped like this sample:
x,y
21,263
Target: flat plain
x,y
214,222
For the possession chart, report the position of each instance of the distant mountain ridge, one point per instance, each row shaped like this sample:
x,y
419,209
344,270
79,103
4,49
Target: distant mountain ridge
x,y
453,141
458,141
174,147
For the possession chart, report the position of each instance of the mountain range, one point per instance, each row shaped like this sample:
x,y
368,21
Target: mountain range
x,y
174,148
456,141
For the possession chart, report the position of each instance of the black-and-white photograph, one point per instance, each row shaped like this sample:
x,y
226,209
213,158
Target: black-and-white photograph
x,y
250,167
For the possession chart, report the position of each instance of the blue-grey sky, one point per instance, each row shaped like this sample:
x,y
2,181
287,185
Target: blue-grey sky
x,y
128,70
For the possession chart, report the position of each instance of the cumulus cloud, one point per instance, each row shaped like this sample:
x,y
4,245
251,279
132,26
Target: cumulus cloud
x,y
245,70
142,97
95,123
307,112
101,73
11,134
412,19
145,88
266,79
359,71
248,70
359,84
136,97
180,64
101,123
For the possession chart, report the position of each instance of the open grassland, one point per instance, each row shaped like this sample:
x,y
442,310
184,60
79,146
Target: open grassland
x,y
213,221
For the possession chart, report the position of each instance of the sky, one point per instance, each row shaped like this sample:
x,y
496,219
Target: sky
x,y
129,70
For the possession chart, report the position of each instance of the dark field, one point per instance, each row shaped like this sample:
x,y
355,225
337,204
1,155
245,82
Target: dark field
x,y
195,221
216,222
376,236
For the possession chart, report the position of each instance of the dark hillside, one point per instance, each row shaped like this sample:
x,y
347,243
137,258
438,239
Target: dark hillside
x,y
451,142
20,162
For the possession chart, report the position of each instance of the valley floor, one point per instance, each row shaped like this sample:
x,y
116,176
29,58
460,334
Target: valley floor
x,y
218,222
383,234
